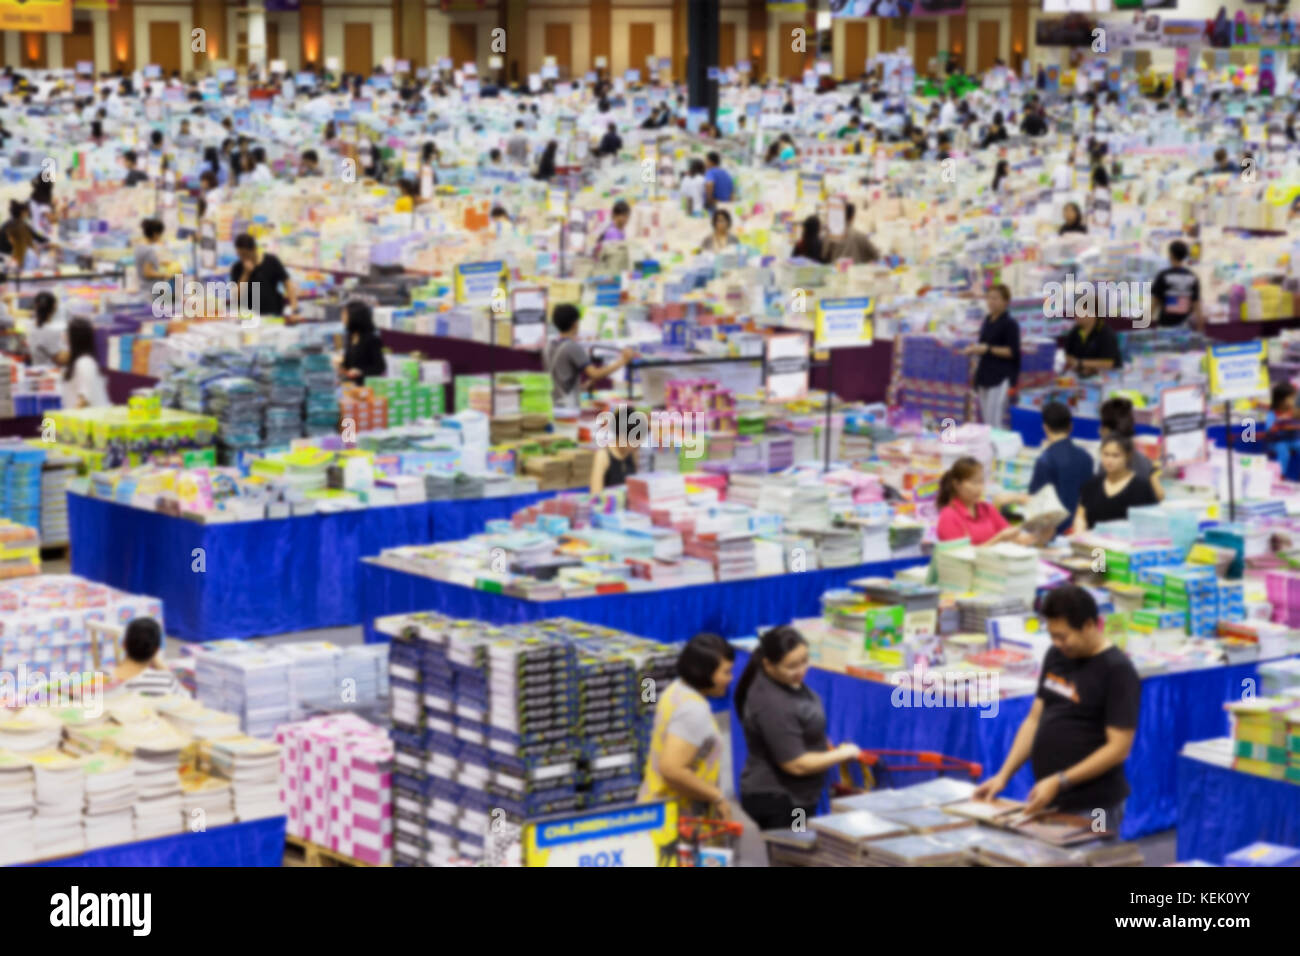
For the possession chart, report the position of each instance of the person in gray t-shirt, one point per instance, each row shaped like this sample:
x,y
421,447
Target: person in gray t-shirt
x,y
569,362
517,147
785,733
148,254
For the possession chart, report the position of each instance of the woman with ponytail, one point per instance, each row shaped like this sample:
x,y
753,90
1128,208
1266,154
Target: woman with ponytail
x,y
963,512
785,733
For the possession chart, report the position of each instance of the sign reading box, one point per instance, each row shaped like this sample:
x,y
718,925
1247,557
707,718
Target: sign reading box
x,y
641,835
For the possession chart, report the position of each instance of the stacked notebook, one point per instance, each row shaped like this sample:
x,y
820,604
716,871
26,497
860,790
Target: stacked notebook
x,y
842,837
786,847
60,793
17,808
954,567
110,800
730,552
205,800
253,769
1008,569
1266,736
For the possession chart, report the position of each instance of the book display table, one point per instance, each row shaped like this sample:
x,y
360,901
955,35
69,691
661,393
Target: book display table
x,y
255,843
1221,810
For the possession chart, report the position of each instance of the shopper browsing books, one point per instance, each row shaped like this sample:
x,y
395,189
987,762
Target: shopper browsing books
x,y
1073,221
143,672
963,512
1117,419
364,356
1081,726
149,253
1108,496
721,237
615,457
1283,426
998,349
685,747
266,274
1176,291
785,733
83,380
569,362
1063,464
1091,346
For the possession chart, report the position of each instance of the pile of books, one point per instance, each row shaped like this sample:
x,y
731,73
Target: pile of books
x,y
336,785
976,611
731,553
253,768
954,566
60,796
1008,569
1266,737
110,791
206,799
17,808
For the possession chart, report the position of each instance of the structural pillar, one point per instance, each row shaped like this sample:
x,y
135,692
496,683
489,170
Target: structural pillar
x,y
702,18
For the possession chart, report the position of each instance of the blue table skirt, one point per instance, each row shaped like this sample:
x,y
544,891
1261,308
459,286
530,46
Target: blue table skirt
x,y
260,577
1175,708
732,609
1222,810
1029,423
256,843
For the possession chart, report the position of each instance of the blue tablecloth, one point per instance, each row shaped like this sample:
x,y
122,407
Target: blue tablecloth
x,y
1175,708
259,577
1221,810
732,609
1029,423
256,843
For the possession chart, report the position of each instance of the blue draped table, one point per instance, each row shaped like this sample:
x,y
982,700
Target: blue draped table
x,y
255,843
1176,708
1029,423
259,577
1221,810
730,608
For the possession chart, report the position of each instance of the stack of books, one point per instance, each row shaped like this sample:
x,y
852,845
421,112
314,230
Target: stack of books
x,y
206,799
918,850
110,800
60,794
976,611
17,808
656,491
787,847
954,566
253,685
842,837
731,553
1008,569
312,679
1260,737
253,768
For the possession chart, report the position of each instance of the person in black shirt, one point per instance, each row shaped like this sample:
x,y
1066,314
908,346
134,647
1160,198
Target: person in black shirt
x,y
1073,220
1176,292
996,133
618,436
133,176
1109,495
610,143
546,165
1091,346
364,355
265,274
1081,726
999,357
1034,123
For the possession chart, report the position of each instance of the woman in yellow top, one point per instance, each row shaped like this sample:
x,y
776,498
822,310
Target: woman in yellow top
x,y
685,746
410,197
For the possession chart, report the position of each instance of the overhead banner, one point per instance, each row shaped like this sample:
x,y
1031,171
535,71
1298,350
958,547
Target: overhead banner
x,y
50,16
896,9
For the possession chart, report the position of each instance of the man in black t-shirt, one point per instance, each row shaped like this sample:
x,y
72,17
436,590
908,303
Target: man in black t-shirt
x,y
1176,292
265,274
1081,727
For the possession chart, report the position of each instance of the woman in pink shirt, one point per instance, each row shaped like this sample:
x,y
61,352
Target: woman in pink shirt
x,y
962,511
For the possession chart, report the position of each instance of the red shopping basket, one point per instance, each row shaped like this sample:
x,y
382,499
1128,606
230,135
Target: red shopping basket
x,y
878,768
695,833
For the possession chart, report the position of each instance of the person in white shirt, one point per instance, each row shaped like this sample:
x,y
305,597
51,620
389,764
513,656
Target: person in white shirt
x,y
692,188
83,382
948,114
261,173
